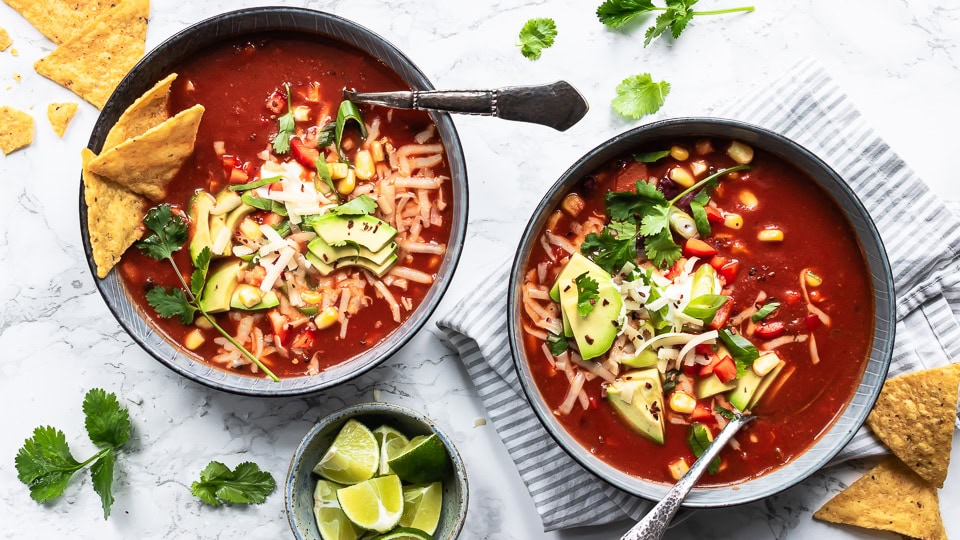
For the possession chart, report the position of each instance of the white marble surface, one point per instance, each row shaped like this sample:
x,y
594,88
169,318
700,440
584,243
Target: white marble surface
x,y
899,60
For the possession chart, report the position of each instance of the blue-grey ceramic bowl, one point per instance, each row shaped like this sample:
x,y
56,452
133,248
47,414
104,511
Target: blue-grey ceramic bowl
x,y
295,22
301,482
875,369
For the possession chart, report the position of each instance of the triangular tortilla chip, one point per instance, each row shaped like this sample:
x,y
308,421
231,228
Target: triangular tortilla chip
x,y
60,115
914,416
16,129
147,111
146,163
5,41
60,20
114,216
890,497
92,63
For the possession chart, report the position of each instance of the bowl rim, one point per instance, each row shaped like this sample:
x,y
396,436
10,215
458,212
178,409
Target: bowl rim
x,y
227,26
459,472
880,353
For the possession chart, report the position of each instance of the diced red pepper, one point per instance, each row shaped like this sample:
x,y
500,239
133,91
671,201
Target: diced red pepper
x,y
707,370
722,314
237,176
729,270
812,321
770,330
714,215
725,370
304,340
705,349
305,156
701,413
694,247
279,323
792,298
676,269
593,403
717,261
690,370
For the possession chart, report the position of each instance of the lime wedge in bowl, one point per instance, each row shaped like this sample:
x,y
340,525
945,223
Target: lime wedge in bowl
x,y
392,442
421,506
353,457
422,461
375,504
331,521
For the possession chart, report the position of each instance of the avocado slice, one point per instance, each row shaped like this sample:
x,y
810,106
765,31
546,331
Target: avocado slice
x,y
644,359
594,333
367,231
221,283
199,211
767,381
232,223
268,299
321,266
644,412
577,265
747,392
331,254
325,269
712,385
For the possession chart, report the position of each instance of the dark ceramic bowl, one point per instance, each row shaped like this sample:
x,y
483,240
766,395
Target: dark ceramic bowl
x,y
300,23
852,417
301,482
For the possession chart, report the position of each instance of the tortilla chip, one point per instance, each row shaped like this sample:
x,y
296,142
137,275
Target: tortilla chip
x,y
5,41
60,20
146,163
92,63
147,111
16,129
890,497
60,115
914,417
114,217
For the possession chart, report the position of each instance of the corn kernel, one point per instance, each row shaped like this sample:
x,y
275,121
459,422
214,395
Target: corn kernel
x,y
765,363
202,323
338,170
682,177
770,235
812,279
732,221
193,339
698,167
748,199
740,152
572,204
376,150
678,468
364,166
326,318
311,297
348,183
704,147
250,229
248,295
679,153
682,402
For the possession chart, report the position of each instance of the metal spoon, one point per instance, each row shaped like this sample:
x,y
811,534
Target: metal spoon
x,y
655,523
558,105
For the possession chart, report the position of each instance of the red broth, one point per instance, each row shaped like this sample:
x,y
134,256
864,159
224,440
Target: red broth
x,y
233,81
791,417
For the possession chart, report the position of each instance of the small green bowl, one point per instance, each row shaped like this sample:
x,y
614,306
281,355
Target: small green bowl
x,y
301,481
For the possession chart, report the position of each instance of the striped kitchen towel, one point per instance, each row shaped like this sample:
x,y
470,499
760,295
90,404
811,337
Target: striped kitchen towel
x,y
921,235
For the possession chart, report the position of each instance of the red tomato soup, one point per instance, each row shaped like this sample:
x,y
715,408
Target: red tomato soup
x,y
320,265
677,304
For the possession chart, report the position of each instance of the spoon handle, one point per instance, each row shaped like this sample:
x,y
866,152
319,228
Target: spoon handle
x,y
558,105
655,523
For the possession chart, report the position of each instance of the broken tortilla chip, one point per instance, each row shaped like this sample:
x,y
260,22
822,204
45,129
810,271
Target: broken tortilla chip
x,y
60,20
146,163
147,111
914,416
60,115
114,216
5,41
16,129
890,497
93,63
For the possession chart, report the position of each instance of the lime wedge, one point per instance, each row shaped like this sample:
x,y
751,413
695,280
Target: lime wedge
x,y
375,504
392,442
353,457
331,521
404,534
421,506
422,461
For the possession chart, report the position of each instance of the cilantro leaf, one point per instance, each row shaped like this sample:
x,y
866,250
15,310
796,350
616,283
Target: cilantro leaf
x,y
615,13
101,472
255,184
670,379
199,277
287,125
615,246
699,439
246,484
624,205
588,292
638,96
169,304
323,174
358,206
742,351
655,221
699,215
764,311
107,423
269,205
557,344
724,412
45,463
169,233
675,17
661,249
536,35
326,135
651,157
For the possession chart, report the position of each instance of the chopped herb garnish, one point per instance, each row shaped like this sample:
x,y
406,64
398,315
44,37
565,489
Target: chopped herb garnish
x,y
246,484
323,174
651,157
261,203
638,96
615,246
536,35
557,344
670,379
358,206
704,307
45,464
615,13
255,184
724,412
587,293
699,439
764,311
283,228
327,135
281,143
699,214
348,111
169,235
742,351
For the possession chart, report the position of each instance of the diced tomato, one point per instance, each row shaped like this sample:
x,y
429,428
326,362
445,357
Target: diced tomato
x,y
305,156
628,176
713,215
717,261
593,403
701,413
707,370
722,314
280,328
770,330
304,340
694,247
237,176
705,349
812,321
276,102
676,269
725,370
690,370
792,298
729,270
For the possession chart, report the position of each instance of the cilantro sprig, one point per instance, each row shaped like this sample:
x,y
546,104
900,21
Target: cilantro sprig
x,y
639,95
699,440
169,235
675,16
281,143
588,292
46,465
358,206
246,484
557,344
536,35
